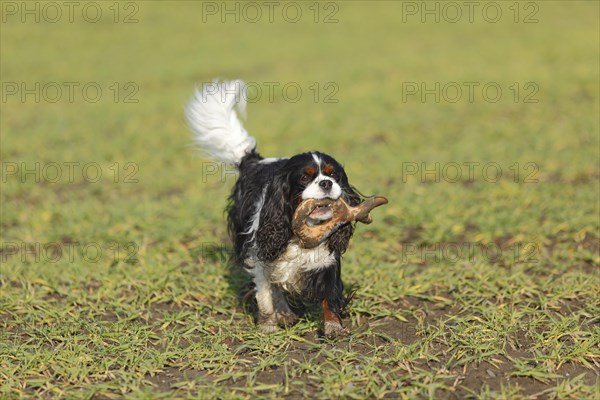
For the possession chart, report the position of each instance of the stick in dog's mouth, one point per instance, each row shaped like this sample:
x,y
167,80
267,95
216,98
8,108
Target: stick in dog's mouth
x,y
321,213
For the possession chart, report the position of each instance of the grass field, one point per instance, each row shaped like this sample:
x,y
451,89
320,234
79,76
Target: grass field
x,y
480,279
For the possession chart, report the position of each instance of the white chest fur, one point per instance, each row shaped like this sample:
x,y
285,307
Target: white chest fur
x,y
288,268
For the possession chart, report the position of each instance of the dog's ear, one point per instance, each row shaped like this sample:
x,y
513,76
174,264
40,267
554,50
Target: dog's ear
x,y
275,226
339,240
350,194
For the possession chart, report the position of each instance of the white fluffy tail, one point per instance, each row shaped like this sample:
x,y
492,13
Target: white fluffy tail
x,y
211,113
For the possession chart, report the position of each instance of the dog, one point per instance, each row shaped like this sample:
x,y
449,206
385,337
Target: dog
x,y
261,208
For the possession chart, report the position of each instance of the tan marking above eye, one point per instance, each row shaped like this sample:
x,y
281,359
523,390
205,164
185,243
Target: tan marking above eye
x,y
310,171
328,169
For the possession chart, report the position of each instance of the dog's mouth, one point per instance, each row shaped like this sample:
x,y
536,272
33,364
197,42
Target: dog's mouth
x,y
320,214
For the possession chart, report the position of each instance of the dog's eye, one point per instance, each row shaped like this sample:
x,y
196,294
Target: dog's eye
x,y
305,178
332,175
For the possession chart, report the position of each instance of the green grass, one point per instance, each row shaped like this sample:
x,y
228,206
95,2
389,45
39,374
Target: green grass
x,y
159,314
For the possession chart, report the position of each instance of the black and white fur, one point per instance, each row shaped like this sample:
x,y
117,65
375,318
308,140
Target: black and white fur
x,y
261,207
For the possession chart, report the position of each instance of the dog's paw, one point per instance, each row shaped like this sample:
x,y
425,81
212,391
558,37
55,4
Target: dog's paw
x,y
267,328
286,318
270,323
333,329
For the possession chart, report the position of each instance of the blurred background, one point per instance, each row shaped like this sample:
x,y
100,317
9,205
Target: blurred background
x,y
364,70
385,87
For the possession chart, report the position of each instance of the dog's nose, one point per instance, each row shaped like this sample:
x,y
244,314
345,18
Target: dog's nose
x,y
326,184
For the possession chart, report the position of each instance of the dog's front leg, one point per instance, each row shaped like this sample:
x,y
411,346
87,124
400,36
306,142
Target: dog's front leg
x,y
332,323
273,310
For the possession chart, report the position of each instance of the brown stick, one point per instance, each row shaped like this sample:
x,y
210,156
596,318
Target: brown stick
x,y
312,236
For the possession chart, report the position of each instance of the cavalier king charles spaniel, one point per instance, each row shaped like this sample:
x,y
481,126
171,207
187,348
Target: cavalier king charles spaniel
x,y
261,208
